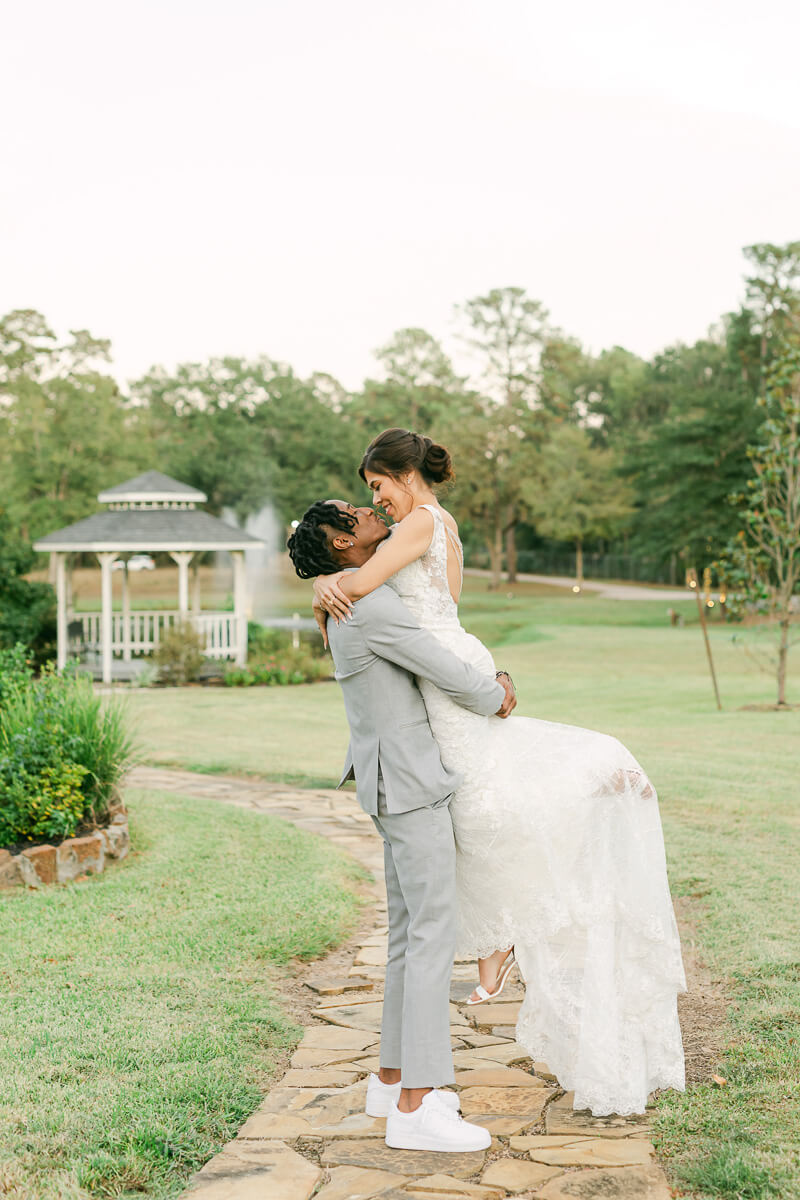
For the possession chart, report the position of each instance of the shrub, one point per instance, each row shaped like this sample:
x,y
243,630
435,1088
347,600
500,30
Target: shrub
x,y
180,654
61,752
287,666
263,642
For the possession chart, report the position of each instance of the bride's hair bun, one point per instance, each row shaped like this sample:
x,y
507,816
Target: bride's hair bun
x,y
396,451
436,465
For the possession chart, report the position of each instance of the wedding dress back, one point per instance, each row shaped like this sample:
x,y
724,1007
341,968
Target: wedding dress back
x,y
560,854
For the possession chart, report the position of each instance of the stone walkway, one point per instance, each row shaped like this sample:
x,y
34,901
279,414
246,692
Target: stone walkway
x,y
311,1137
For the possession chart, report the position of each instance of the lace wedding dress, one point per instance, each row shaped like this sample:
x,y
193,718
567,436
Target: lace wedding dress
x,y
560,853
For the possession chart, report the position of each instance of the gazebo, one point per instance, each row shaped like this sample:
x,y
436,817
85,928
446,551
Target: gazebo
x,y
147,514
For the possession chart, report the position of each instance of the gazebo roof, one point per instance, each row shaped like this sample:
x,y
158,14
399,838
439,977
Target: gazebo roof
x,y
148,529
150,512
152,487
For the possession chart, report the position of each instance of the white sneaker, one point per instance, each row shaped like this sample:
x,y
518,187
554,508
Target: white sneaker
x,y
381,1097
434,1126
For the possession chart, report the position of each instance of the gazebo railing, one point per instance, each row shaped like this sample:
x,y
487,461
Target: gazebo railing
x,y
145,629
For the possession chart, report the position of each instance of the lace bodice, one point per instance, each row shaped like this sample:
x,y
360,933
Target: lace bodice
x,y
423,584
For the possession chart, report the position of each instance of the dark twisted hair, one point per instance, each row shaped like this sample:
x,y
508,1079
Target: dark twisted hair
x,y
397,450
308,546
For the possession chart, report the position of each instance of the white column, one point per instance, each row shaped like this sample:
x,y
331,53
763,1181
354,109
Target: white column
x,y
59,564
240,605
126,616
195,587
182,558
105,559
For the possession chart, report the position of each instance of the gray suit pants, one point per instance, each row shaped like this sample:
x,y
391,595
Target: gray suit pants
x,y
419,857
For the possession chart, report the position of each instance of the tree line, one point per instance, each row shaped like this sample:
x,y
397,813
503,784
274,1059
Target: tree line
x,y
553,445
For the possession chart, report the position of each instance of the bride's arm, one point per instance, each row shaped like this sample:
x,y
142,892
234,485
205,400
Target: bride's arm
x,y
410,539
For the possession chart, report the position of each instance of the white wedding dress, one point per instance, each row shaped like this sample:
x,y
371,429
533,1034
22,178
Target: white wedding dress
x,y
560,853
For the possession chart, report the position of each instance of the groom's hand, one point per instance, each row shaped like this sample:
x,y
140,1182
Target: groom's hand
x,y
510,702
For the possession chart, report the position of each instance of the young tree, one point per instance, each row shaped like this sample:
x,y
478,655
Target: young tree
x,y
507,328
579,493
773,291
761,566
496,450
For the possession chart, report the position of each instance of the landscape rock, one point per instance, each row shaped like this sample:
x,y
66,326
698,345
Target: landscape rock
x,y
117,838
562,1118
497,1077
38,865
332,987
624,1183
10,874
507,1102
255,1171
328,1038
404,1162
495,1012
596,1152
80,856
442,1187
318,1077
359,1183
515,1175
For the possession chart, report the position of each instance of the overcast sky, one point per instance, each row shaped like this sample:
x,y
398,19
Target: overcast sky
x,y
303,178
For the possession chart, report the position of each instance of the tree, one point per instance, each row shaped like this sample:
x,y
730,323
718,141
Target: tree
x,y
496,450
27,610
249,433
686,463
774,290
507,328
418,389
761,566
579,493
65,429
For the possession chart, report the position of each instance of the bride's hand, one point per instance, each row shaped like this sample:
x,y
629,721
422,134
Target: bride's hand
x,y
328,595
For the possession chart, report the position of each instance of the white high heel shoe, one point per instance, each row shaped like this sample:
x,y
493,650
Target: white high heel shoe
x,y
505,971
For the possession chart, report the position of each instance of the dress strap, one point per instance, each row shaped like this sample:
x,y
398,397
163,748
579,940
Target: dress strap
x,y
455,540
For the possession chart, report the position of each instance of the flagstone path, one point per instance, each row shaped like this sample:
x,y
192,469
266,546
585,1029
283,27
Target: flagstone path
x,y
310,1135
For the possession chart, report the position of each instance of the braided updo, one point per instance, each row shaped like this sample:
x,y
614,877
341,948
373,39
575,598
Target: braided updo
x,y
397,450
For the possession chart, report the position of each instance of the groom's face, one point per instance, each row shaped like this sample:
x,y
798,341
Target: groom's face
x,y
367,534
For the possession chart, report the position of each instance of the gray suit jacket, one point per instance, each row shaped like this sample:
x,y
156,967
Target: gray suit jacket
x,y
375,653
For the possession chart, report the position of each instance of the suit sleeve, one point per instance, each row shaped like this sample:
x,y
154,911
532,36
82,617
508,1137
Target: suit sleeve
x,y
391,632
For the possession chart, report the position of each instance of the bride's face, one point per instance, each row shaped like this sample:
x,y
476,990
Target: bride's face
x,y
390,494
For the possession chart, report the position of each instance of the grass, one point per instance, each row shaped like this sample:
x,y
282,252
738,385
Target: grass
x,y
728,789
141,1020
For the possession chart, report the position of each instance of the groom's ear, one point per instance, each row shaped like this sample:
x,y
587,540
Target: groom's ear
x,y
340,542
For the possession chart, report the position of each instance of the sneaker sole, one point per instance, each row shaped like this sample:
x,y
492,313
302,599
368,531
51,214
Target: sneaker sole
x,y
420,1142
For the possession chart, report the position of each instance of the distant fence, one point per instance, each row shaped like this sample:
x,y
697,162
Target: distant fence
x,y
595,566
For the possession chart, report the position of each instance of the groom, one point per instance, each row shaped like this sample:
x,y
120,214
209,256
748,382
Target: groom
x,y
402,783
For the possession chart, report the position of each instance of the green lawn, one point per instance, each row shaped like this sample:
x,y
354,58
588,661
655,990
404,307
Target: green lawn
x,y
140,1020
728,785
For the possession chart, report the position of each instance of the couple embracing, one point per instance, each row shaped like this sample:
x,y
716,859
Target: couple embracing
x,y
506,840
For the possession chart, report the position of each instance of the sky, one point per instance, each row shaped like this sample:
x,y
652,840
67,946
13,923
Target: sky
x,y
302,178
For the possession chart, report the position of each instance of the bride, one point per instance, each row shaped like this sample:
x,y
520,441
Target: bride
x,y
560,852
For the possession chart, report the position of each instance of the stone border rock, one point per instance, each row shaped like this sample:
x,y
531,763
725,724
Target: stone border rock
x,y
310,1135
37,866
